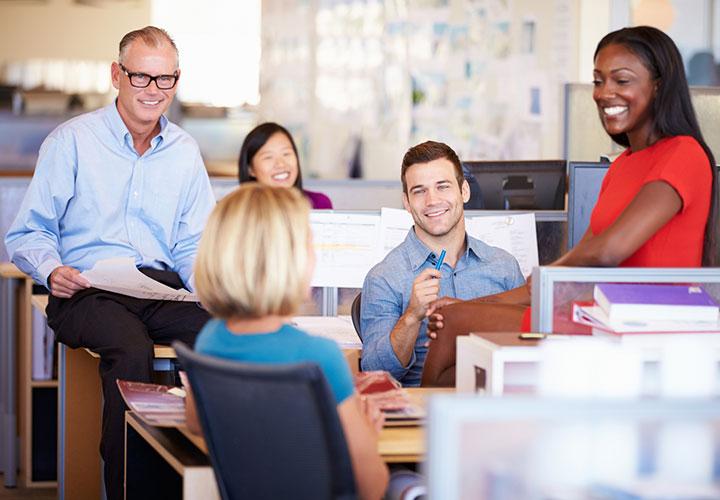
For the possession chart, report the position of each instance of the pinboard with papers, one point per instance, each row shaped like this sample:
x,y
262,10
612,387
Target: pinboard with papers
x,y
348,245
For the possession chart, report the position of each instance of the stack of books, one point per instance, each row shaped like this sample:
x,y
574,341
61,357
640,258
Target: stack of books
x,y
652,308
158,405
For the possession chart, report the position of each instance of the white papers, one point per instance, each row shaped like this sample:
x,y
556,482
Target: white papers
x,y
339,328
345,248
121,276
595,316
394,225
516,234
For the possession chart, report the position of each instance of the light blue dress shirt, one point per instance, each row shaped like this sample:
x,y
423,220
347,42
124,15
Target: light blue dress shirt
x,y
92,197
481,270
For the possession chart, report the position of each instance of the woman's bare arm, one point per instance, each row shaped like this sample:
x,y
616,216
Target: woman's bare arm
x,y
371,473
654,206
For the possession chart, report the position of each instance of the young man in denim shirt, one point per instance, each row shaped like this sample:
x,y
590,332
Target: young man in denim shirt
x,y
397,292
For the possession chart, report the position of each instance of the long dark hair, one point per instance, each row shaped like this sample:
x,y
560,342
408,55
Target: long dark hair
x,y
256,139
672,109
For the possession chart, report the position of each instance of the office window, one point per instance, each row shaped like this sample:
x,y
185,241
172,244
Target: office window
x,y
219,43
694,25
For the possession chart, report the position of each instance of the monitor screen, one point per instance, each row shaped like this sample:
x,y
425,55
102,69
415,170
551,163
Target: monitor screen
x,y
517,185
585,179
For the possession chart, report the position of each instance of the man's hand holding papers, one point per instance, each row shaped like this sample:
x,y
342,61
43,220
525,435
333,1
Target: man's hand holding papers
x,y
121,276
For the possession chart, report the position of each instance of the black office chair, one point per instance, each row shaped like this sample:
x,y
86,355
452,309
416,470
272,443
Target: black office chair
x,y
272,430
355,313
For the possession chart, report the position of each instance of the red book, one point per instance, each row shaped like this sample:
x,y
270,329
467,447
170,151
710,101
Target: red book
x,y
159,405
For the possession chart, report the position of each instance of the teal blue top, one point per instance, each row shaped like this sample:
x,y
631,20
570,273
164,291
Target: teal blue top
x,y
286,345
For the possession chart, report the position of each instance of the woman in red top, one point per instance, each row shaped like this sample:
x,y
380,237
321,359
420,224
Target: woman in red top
x,y
658,202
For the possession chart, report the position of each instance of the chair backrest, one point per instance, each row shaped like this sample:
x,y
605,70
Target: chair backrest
x,y
355,313
272,430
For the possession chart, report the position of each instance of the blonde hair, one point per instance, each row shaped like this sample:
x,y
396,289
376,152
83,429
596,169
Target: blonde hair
x,y
253,255
152,37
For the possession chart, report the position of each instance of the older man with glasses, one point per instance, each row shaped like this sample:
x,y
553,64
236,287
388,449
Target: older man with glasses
x,y
121,181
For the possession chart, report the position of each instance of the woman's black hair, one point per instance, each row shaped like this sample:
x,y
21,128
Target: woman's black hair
x,y
256,139
672,109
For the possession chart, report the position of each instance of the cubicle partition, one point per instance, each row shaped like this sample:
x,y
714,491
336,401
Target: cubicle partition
x,y
361,196
336,296
345,194
556,289
509,448
12,191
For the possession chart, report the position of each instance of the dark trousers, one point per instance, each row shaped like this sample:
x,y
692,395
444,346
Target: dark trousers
x,y
122,330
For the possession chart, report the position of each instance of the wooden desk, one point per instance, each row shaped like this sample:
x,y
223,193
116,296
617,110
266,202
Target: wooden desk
x,y
177,459
407,444
8,270
80,417
395,444
163,464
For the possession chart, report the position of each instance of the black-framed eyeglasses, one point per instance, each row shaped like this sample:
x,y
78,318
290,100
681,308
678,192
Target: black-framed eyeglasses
x,y
142,80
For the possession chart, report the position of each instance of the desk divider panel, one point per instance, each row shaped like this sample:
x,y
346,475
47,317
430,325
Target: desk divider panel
x,y
554,289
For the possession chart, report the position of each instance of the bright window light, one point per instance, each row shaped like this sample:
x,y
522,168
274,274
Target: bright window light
x,y
219,44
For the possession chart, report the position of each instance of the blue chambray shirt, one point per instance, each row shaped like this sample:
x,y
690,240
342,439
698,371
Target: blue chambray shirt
x,y
93,197
482,270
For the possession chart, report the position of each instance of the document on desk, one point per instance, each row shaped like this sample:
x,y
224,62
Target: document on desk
x,y
337,328
159,405
394,226
345,248
121,276
514,233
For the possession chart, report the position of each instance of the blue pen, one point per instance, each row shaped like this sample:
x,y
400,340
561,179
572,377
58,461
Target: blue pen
x,y
440,260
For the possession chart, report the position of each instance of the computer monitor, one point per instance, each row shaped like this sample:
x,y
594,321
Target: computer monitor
x,y
519,185
585,179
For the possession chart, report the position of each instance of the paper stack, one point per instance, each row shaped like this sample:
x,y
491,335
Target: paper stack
x,y
631,307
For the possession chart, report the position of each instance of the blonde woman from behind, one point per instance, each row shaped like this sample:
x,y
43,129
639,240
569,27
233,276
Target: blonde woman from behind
x,y
252,273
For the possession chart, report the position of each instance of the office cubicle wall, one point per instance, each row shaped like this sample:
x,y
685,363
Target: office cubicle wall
x,y
555,289
12,191
345,194
509,448
21,137
551,226
349,194
551,231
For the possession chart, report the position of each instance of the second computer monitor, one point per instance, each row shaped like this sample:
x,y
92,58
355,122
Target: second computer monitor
x,y
519,185
584,188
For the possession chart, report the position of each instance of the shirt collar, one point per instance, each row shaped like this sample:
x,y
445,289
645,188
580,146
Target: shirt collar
x,y
121,132
163,129
419,253
477,247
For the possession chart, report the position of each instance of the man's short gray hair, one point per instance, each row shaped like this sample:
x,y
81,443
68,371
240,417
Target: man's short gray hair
x,y
151,36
